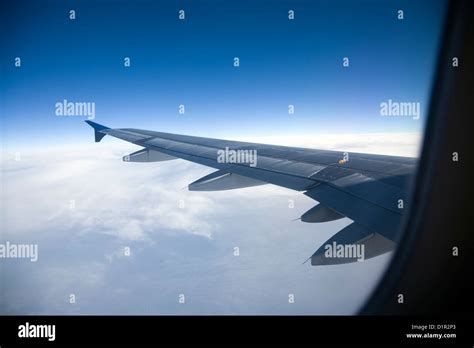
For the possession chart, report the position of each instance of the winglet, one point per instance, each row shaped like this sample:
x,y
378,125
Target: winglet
x,y
98,128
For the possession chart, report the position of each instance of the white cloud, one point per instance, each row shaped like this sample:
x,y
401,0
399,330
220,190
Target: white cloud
x,y
394,144
93,192
84,205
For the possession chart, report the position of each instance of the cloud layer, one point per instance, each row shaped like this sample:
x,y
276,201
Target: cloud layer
x,y
128,238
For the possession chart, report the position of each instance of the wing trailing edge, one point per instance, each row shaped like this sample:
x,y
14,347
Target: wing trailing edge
x,y
221,180
146,155
351,244
321,213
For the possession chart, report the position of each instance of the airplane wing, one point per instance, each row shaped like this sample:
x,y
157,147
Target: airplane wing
x,y
371,190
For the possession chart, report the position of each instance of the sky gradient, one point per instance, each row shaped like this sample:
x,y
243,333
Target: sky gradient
x,y
190,62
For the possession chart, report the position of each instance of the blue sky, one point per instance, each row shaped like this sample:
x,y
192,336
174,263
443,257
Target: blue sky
x,y
190,62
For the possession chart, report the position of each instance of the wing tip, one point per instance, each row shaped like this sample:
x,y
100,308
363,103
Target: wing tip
x,y
98,128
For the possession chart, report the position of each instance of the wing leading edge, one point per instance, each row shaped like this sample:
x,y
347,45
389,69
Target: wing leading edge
x,y
369,189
